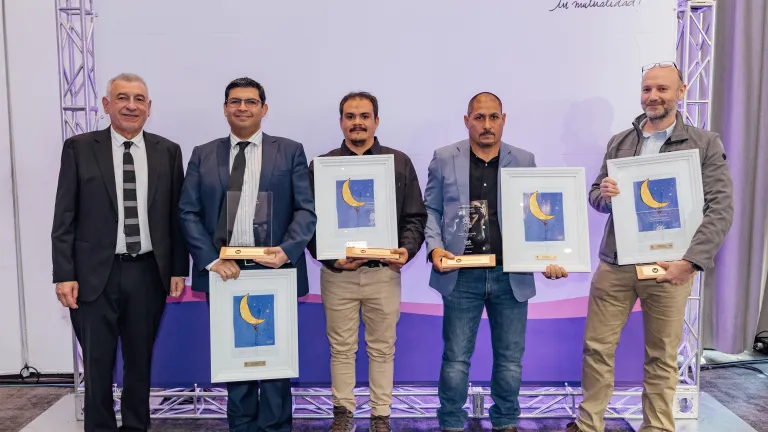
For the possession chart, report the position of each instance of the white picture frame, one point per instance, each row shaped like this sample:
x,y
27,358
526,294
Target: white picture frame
x,y
237,355
558,212
339,223
636,242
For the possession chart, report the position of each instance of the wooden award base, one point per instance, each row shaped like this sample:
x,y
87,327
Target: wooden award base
x,y
236,252
650,271
371,253
460,261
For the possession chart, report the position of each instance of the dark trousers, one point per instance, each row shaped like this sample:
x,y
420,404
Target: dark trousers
x,y
260,406
130,307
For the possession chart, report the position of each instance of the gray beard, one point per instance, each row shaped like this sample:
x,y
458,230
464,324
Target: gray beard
x,y
664,113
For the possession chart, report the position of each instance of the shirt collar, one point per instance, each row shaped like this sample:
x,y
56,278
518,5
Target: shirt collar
x,y
118,140
667,132
254,139
374,150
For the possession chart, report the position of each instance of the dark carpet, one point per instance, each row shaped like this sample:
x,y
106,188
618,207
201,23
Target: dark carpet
x,y
741,390
21,405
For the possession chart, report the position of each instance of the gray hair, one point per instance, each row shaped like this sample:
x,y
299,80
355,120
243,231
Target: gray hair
x,y
128,77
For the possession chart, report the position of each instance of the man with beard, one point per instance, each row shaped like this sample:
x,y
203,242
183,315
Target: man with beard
x,y
615,288
349,285
463,175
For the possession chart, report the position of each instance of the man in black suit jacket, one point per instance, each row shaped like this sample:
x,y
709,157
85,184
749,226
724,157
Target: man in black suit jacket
x,y
117,249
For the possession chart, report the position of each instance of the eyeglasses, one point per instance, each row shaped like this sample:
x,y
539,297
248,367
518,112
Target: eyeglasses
x,y
665,64
250,103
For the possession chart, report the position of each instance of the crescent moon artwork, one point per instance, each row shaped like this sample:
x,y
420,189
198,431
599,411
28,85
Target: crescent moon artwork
x,y
656,204
543,216
533,204
253,322
346,195
245,313
645,195
355,203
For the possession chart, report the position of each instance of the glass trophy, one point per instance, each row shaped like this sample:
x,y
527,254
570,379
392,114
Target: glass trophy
x,y
249,226
472,223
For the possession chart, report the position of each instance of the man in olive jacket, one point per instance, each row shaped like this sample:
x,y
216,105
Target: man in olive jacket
x,y
615,288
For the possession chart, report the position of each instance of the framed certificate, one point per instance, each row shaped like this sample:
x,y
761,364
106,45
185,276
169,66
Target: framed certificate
x,y
544,219
356,206
254,326
659,207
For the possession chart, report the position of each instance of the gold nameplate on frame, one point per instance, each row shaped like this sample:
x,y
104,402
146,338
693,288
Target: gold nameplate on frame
x,y
546,257
255,363
470,261
371,253
650,271
659,246
233,252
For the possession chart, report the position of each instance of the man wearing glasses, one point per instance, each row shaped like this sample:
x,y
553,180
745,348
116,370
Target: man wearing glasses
x,y
615,288
247,162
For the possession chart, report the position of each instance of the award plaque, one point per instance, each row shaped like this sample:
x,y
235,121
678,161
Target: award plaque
x,y
473,223
254,326
659,208
249,226
356,206
544,219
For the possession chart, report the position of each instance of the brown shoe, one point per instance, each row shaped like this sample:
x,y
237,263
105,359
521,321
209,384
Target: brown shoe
x,y
343,420
380,424
572,427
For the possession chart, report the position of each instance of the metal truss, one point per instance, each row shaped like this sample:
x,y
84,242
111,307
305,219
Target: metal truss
x,y
77,84
79,103
695,38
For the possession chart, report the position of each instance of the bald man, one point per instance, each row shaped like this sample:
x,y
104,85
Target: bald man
x,y
615,288
461,175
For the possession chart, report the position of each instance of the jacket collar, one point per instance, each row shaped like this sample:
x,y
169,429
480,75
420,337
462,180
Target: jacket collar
x,y
679,133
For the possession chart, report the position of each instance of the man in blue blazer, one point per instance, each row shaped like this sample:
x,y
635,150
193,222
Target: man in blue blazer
x,y
463,202
248,161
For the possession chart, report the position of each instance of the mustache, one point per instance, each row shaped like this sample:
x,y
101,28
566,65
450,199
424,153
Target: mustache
x,y
487,133
354,129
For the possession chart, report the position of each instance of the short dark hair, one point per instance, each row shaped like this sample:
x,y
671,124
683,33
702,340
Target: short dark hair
x,y
360,95
245,83
472,101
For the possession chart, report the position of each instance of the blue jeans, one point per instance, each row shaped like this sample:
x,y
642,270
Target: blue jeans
x,y
462,310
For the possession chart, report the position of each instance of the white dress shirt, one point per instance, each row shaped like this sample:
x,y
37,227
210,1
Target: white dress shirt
x,y
242,232
139,152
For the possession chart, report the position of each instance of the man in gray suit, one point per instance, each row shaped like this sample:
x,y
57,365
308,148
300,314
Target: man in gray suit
x,y
464,212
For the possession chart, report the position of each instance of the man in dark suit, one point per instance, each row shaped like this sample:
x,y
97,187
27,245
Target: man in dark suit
x,y
249,161
117,249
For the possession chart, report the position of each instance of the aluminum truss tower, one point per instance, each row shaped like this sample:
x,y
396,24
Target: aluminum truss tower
x,y
695,51
79,101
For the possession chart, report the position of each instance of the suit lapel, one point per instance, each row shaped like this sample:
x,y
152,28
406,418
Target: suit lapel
x,y
268,159
222,161
153,166
102,149
461,167
506,160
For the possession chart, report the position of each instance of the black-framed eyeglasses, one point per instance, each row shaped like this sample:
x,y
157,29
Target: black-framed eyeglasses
x,y
250,103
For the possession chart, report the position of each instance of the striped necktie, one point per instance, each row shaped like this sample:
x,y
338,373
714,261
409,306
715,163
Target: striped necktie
x,y
130,205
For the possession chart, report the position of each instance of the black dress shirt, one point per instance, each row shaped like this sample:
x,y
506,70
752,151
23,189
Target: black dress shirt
x,y
483,185
411,212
